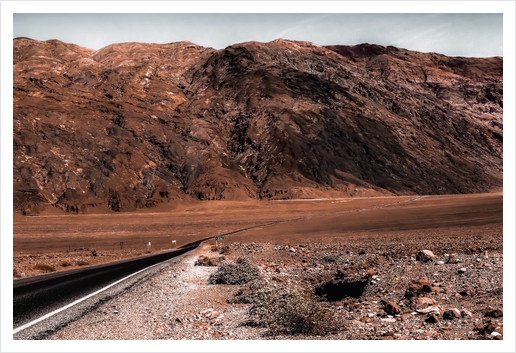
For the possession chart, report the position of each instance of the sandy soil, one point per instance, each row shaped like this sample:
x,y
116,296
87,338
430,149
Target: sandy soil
x,y
57,242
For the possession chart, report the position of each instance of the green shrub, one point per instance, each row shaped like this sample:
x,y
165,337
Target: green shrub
x,y
239,272
292,312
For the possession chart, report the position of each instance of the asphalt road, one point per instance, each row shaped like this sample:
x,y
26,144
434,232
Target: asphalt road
x,y
38,301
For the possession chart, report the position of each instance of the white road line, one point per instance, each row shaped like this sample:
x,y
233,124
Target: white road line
x,y
29,324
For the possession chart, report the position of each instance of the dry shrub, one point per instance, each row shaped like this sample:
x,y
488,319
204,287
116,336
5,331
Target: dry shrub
x,y
239,272
224,249
245,294
292,312
44,267
82,263
65,263
209,261
94,252
329,258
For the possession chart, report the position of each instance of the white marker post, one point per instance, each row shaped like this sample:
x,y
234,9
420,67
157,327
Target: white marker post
x,y
220,237
148,246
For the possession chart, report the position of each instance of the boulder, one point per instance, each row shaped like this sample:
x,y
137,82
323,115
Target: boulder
x,y
417,287
425,256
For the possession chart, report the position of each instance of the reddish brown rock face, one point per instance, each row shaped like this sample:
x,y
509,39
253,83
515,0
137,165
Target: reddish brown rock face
x,y
136,125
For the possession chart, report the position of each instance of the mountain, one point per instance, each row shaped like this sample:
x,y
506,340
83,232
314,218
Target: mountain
x,y
137,125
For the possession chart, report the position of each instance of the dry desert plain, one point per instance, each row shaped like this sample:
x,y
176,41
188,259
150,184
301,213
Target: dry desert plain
x,y
304,242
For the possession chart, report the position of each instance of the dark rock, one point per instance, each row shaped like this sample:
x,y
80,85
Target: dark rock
x,y
390,307
488,328
494,313
452,314
335,290
432,318
466,293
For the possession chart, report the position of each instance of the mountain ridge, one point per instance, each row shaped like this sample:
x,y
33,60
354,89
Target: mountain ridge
x,y
136,125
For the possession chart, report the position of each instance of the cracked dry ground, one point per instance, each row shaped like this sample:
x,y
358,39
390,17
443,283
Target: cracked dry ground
x,y
407,294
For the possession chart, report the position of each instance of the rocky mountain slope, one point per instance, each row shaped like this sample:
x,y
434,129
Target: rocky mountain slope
x,y
138,125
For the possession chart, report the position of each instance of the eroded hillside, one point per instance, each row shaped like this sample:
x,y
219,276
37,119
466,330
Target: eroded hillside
x,y
137,125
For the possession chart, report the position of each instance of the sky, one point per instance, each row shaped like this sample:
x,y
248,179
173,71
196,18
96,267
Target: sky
x,y
469,35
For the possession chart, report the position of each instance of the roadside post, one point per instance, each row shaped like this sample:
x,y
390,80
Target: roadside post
x,y
217,238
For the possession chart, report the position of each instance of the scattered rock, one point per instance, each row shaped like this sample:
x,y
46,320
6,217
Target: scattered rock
x,y
434,309
338,289
417,287
465,313
391,308
432,319
494,313
462,270
452,314
489,328
425,256
387,337
423,300
405,317
453,259
381,312
388,319
466,293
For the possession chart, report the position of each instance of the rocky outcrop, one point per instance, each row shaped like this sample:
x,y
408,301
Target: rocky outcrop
x,y
135,125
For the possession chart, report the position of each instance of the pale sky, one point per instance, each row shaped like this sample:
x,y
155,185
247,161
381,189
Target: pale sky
x,y
470,35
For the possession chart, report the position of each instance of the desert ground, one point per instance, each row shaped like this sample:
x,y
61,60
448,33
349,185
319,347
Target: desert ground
x,y
61,242
454,294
